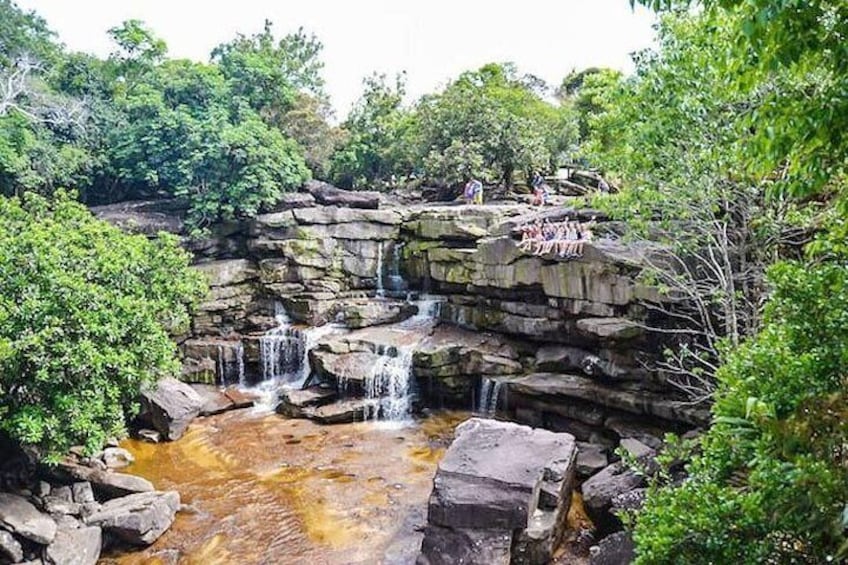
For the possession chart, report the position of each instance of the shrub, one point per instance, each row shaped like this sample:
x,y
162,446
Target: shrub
x,y
86,318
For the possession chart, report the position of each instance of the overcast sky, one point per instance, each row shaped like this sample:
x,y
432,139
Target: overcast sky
x,y
432,40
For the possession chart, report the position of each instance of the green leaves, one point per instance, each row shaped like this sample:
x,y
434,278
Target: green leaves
x,y
86,317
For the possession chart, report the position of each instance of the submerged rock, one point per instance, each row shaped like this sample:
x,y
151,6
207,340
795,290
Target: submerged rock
x,y
23,519
138,519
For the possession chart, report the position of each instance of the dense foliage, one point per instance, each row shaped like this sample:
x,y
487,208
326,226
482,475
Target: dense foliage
x,y
86,318
731,134
491,123
136,125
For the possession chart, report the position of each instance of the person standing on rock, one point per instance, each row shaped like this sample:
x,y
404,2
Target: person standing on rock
x,y
474,192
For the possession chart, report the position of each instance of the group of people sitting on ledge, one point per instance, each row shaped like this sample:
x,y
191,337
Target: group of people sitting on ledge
x,y
564,238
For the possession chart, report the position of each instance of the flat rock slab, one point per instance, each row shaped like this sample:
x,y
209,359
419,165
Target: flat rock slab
x,y
491,476
138,519
23,519
239,398
294,402
80,546
214,400
344,412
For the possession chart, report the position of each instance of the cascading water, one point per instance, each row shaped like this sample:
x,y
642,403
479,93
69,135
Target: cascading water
x,y
230,365
487,402
394,279
379,274
284,355
389,386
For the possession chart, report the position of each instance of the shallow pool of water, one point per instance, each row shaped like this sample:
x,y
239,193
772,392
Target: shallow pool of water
x,y
264,489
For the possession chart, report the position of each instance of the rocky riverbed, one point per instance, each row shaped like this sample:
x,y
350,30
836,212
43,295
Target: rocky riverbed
x,y
258,488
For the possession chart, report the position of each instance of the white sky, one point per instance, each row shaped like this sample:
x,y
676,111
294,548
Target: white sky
x,y
433,40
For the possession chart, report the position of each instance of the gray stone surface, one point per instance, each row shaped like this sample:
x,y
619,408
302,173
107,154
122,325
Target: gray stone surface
x,y
600,489
591,458
138,519
496,479
78,546
105,483
170,406
615,549
116,457
23,519
329,195
10,548
446,546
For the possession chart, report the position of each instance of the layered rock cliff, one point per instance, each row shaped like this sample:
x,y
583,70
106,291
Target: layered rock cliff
x,y
563,341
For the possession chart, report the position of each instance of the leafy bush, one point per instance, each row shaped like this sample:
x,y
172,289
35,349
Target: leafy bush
x,y
772,482
86,318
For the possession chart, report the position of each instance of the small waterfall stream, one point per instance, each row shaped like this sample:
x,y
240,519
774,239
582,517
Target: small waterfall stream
x,y
388,388
230,366
487,402
379,274
284,354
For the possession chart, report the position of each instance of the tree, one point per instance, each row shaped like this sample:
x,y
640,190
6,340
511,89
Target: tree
x,y
500,119
380,135
268,73
86,318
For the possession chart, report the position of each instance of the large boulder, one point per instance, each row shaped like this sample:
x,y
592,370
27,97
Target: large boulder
x,y
74,546
329,195
170,406
23,519
138,519
499,479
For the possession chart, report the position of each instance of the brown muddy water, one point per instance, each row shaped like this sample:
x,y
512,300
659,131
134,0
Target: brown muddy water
x,y
264,489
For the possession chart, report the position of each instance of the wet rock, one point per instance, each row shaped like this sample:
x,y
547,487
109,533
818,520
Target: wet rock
x,y
328,195
343,412
615,549
214,400
138,519
79,546
150,436
446,546
294,402
591,458
170,406
106,484
239,399
10,549
23,519
552,386
116,457
363,314
600,489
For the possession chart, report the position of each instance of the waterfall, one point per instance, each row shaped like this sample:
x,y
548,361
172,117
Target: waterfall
x,y
490,391
225,369
379,275
389,386
284,350
395,280
429,310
